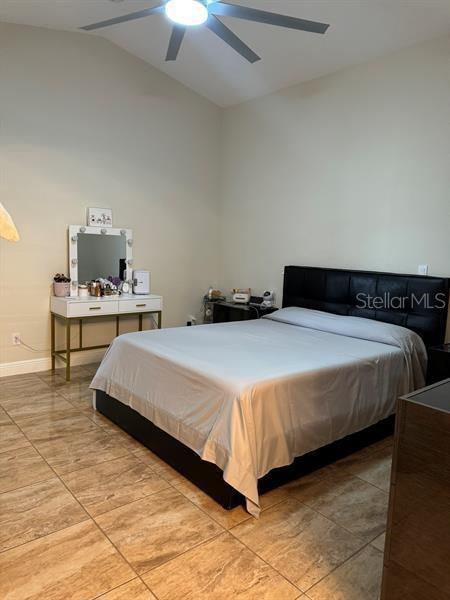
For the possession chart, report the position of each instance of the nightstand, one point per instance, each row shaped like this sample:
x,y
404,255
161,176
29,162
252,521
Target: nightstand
x,y
224,312
438,363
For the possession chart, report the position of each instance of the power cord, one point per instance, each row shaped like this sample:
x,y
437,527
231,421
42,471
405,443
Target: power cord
x,y
30,348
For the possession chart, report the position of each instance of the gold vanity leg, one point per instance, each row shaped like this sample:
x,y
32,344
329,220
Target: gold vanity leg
x,y
67,349
52,340
140,321
159,319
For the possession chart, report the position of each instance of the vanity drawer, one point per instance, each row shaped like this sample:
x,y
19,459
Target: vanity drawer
x,y
144,305
91,309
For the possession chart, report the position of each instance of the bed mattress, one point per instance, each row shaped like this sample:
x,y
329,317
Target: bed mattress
x,y
251,396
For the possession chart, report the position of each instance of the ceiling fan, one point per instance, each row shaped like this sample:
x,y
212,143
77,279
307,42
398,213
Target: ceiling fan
x,y
188,13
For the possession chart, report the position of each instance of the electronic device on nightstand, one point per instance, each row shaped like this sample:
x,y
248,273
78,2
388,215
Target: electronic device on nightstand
x,y
241,296
268,299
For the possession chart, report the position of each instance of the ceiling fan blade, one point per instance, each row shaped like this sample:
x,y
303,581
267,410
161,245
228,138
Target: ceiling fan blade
x,y
176,38
123,18
231,39
261,16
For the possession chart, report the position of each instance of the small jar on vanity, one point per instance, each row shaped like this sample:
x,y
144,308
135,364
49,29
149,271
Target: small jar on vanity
x,y
61,285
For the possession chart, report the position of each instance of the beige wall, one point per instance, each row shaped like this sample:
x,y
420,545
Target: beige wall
x,y
84,123
351,170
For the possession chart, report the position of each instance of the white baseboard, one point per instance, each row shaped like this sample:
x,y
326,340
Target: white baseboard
x,y
35,365
20,367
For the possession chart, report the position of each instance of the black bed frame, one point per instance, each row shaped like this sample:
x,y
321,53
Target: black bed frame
x,y
423,309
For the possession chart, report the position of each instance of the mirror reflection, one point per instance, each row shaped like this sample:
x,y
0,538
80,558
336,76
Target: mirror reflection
x,y
101,256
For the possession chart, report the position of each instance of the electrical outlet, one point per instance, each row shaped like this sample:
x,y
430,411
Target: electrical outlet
x,y
15,339
422,270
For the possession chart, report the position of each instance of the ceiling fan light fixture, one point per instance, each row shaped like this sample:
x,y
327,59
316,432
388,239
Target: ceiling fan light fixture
x,y
186,12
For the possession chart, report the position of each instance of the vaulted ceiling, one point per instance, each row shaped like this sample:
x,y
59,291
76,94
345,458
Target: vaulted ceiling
x,y
359,30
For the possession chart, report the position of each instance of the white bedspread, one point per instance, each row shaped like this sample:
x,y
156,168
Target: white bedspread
x,y
251,396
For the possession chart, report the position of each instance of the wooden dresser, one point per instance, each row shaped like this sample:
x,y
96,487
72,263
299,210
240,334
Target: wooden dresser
x,y
417,553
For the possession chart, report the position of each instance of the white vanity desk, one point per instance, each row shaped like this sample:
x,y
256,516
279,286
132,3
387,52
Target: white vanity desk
x,y
95,252
77,309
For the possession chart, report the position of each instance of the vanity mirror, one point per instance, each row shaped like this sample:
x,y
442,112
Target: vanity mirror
x,y
96,252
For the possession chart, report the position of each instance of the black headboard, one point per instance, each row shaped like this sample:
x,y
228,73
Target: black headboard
x,y
414,301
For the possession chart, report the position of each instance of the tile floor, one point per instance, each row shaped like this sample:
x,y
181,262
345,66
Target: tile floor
x,y
87,512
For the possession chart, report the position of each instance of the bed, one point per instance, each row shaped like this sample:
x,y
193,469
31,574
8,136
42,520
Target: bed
x,y
241,407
